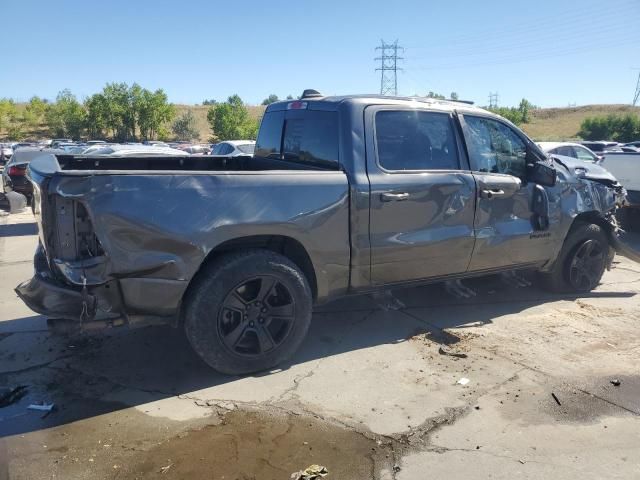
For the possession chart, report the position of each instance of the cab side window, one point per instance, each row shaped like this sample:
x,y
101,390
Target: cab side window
x,y
494,147
415,140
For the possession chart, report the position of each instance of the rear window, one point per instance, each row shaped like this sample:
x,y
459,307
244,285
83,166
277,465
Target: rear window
x,y
302,136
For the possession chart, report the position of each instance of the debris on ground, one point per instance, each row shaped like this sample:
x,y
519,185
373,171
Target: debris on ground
x,y
451,353
396,468
463,381
166,469
556,398
615,382
42,407
312,472
9,396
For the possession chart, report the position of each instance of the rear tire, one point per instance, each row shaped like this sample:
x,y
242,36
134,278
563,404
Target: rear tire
x,y
581,262
248,311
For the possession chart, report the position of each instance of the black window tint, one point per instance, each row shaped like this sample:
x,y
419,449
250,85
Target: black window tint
x,y
311,137
494,147
226,149
268,143
415,140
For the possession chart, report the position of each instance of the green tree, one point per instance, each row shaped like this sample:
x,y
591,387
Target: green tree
x,y
230,120
8,113
289,97
453,96
66,117
210,102
33,114
184,127
517,115
621,128
153,112
270,99
435,95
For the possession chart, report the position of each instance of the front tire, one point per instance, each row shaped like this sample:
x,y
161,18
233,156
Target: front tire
x,y
581,262
248,311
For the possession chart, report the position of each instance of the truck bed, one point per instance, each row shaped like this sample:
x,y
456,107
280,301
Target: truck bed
x,y
134,225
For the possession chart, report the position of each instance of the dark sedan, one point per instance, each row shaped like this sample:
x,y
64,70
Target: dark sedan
x,y
14,178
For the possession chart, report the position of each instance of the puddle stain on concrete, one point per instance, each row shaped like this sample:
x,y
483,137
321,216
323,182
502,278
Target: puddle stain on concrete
x,y
260,445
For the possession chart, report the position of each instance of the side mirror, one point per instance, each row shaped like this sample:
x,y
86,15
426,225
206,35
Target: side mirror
x,y
543,173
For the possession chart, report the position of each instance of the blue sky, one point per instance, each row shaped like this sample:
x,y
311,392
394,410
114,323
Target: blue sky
x,y
553,52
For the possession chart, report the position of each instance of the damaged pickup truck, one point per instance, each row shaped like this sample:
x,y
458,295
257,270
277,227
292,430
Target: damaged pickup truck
x,y
343,195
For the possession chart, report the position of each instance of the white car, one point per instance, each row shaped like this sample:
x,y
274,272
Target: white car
x,y
117,150
233,148
568,149
625,166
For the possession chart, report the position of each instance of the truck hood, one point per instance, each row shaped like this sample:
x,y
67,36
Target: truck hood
x,y
585,170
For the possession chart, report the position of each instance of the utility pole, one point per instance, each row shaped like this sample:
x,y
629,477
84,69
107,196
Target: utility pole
x,y
389,67
636,96
493,100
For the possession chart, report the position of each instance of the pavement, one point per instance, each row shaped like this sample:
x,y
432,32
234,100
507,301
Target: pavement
x,y
513,383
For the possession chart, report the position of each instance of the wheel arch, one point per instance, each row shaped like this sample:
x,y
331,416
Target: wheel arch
x,y
284,245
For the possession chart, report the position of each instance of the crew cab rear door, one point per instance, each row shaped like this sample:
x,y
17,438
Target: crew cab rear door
x,y
422,195
504,229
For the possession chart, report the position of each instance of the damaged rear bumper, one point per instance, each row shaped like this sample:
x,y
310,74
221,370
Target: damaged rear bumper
x,y
75,293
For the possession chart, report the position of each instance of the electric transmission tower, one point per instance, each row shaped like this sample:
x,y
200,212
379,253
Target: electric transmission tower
x,y
389,67
636,96
493,100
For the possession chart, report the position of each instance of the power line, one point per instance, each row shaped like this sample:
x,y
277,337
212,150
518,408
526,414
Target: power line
x,y
389,67
493,100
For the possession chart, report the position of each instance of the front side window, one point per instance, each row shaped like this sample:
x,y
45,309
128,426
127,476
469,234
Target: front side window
x,y
584,154
415,140
494,147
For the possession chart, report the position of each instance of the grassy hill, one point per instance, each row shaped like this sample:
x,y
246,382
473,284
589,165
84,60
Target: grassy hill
x,y
564,123
200,113
545,124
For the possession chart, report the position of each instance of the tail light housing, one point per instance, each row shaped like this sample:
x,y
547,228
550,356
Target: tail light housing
x,y
16,171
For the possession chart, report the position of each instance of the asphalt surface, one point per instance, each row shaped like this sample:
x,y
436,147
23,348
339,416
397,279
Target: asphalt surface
x,y
552,389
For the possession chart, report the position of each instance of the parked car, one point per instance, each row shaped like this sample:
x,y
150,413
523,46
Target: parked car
x,y
567,149
598,147
118,150
14,174
635,144
194,149
55,143
343,195
233,148
5,153
625,166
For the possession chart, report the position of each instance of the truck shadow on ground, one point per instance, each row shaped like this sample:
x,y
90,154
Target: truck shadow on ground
x,y
83,375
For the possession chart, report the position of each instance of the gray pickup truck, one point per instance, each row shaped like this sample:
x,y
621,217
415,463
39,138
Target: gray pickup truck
x,y
343,195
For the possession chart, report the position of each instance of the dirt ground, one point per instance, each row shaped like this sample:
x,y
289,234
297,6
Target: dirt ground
x,y
552,390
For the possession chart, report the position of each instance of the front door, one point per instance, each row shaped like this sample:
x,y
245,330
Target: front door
x,y
504,227
421,195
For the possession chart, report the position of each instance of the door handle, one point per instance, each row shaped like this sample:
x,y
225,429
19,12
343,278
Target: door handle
x,y
393,197
491,193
